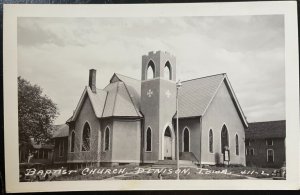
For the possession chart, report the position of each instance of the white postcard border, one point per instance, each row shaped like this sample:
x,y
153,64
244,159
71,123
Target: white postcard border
x,y
11,14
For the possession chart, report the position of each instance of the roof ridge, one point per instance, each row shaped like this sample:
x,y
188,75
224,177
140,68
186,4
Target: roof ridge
x,y
135,108
115,100
126,76
268,121
204,77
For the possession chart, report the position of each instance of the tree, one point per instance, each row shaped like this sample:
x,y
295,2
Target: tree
x,y
36,113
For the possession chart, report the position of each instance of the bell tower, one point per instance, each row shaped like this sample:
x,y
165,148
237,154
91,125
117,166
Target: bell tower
x,y
158,105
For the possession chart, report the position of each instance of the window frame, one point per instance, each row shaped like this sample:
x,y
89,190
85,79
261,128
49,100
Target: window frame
x,y
273,155
104,139
183,141
211,141
248,151
237,145
267,142
146,140
249,142
81,145
224,126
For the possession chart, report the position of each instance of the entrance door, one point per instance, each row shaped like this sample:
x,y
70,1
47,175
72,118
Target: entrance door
x,y
168,147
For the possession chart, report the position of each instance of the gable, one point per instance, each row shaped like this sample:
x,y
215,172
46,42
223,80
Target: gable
x,y
235,102
119,102
97,100
195,96
132,85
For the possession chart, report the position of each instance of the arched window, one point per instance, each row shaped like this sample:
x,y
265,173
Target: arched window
x,y
186,140
211,141
106,139
72,141
148,140
168,132
86,136
168,71
150,70
224,139
237,149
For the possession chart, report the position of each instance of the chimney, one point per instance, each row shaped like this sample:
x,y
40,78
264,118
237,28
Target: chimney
x,y
92,80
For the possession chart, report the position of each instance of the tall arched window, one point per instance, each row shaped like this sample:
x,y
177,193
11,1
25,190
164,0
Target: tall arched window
x,y
72,141
106,139
237,149
148,140
186,140
150,70
224,139
168,71
211,141
86,136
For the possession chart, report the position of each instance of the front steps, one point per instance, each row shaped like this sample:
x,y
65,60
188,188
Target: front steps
x,y
173,163
189,156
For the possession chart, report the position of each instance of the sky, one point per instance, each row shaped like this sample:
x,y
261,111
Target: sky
x,y
57,53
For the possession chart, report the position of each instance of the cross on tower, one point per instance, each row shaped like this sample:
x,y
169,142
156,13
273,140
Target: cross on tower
x,y
149,93
168,94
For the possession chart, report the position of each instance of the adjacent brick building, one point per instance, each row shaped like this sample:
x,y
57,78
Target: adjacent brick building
x,y
265,144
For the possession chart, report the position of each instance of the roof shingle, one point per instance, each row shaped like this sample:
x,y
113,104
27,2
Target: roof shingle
x,y
269,129
61,131
122,96
195,95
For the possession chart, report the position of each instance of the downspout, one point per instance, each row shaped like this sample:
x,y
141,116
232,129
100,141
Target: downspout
x,y
200,156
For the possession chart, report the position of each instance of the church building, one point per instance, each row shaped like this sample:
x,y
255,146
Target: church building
x,y
134,121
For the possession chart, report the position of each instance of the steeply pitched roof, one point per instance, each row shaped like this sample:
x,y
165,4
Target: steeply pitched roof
x,y
97,101
268,129
61,131
122,96
119,101
133,86
195,95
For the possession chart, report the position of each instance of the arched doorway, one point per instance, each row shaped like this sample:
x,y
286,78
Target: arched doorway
x,y
186,140
224,139
168,143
